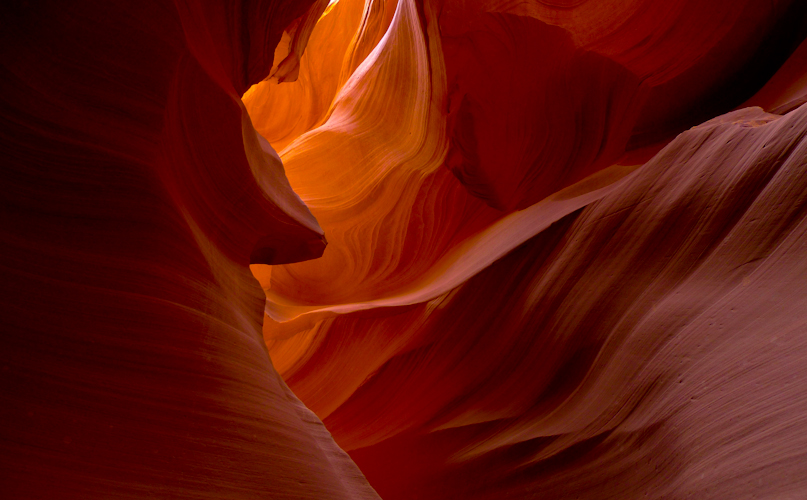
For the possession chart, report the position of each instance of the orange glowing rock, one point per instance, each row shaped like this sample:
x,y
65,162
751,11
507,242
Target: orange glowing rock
x,y
369,155
507,249
489,318
624,350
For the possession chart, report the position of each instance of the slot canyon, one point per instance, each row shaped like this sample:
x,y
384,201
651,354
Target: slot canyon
x,y
403,249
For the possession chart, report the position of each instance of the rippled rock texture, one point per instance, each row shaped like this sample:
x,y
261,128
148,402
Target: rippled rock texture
x,y
508,249
135,195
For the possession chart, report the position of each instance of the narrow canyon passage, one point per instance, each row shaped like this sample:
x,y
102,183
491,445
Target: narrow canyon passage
x,y
507,249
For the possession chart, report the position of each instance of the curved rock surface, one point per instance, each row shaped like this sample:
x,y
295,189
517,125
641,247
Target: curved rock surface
x,y
135,194
613,337
565,251
444,92
648,345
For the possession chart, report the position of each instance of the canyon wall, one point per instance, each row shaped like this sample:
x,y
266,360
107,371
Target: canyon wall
x,y
404,248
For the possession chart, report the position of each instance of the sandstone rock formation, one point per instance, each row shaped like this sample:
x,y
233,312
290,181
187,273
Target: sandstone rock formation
x,y
507,249
135,195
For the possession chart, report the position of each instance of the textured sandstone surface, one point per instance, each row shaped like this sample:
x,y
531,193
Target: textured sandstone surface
x,y
508,249
135,194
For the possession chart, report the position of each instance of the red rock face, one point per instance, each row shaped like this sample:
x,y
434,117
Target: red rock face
x,y
136,194
565,250
582,83
696,352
